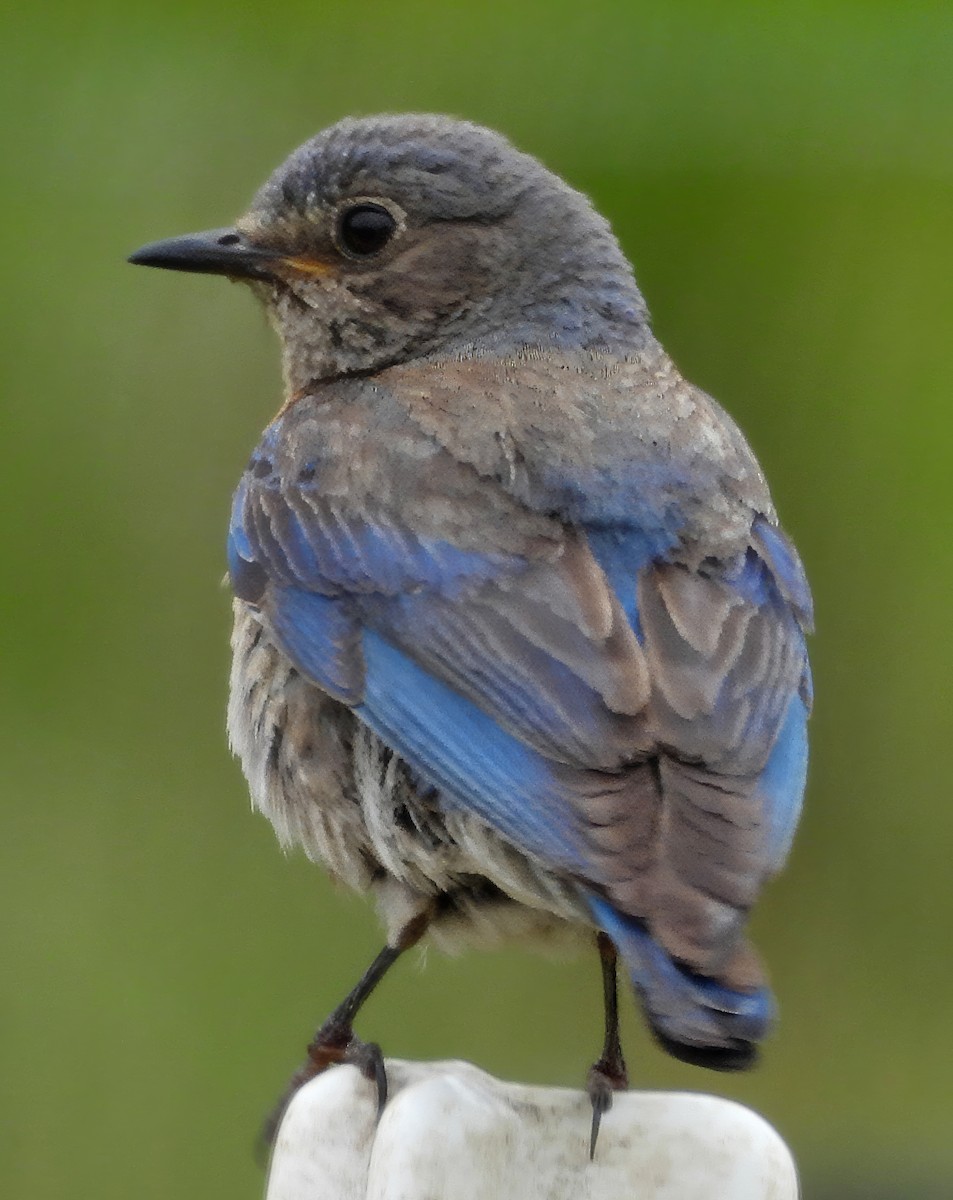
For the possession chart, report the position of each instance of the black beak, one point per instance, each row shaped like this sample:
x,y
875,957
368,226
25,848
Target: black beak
x,y
215,252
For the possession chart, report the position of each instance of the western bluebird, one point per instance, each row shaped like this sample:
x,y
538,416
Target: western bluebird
x,y
519,645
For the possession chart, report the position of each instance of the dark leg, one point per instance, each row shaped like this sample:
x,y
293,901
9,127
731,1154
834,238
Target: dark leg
x,y
608,1075
335,1041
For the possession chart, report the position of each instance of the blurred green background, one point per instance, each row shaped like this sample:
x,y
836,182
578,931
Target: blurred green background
x,y
782,176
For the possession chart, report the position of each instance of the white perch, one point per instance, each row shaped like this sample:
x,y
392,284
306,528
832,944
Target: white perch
x,y
451,1131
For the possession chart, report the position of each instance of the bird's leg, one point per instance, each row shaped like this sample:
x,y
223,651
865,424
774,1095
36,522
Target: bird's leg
x,y
608,1075
335,1041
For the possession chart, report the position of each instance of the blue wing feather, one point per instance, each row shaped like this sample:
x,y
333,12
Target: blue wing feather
x,y
462,751
622,551
386,621
320,636
782,781
313,545
779,554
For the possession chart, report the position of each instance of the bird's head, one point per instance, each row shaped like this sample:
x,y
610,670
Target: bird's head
x,y
388,238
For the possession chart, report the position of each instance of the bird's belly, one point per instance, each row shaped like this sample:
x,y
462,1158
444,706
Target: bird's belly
x,y
331,786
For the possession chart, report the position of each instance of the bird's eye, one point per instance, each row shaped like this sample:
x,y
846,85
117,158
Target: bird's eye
x,y
365,229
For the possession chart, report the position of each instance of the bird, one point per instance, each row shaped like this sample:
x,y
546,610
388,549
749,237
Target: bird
x,y
519,645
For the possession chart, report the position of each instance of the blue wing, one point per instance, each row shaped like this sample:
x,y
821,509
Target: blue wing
x,y
626,717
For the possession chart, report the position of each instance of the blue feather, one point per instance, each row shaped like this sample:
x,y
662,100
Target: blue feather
x,y
240,548
786,567
682,1006
339,552
622,552
319,635
461,750
783,779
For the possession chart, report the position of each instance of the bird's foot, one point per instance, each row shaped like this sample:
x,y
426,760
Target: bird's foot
x,y
369,1060
605,1077
334,1043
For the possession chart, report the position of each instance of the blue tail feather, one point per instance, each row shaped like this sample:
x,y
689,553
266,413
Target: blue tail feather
x,y
696,1018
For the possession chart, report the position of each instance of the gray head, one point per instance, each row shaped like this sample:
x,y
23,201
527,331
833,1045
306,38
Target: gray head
x,y
389,238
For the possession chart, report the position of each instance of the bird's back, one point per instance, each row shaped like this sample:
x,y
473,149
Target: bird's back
x,y
547,595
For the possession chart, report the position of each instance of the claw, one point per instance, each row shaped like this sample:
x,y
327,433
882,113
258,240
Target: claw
x,y
600,1085
600,1096
331,1045
369,1060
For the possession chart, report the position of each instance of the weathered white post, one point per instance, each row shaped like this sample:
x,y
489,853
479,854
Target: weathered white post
x,y
451,1132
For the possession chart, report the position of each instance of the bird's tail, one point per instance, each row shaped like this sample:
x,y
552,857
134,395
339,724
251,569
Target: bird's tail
x,y
695,1018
